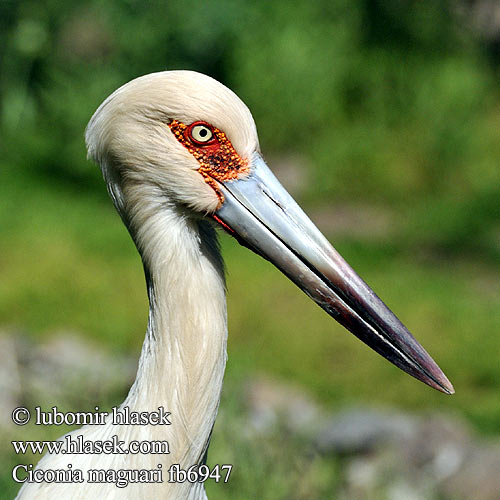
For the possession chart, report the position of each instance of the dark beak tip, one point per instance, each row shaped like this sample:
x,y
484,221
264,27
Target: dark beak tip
x,y
254,212
440,382
448,388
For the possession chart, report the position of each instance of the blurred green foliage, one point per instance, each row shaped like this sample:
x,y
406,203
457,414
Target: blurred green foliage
x,y
394,103
391,103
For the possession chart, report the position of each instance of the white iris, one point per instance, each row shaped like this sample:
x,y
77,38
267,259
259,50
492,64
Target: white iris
x,y
200,133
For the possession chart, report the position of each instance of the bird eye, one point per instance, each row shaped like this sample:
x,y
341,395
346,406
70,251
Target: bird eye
x,y
200,133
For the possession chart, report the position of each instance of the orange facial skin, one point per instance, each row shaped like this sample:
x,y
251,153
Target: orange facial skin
x,y
218,160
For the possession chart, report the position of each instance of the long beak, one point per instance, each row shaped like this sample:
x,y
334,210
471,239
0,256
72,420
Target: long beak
x,y
259,212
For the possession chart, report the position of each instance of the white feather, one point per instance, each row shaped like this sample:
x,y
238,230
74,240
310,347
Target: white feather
x,y
154,184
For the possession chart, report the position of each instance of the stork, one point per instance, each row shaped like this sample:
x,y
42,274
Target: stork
x,y
180,156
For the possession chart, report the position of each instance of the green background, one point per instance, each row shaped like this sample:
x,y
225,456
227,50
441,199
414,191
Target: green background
x,y
386,113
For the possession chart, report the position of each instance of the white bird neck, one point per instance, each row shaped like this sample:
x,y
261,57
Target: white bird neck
x,y
182,360
184,353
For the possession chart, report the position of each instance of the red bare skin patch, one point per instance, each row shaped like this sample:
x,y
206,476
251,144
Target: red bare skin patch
x,y
223,224
218,160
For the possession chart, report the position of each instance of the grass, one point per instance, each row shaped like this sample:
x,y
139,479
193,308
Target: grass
x,y
67,263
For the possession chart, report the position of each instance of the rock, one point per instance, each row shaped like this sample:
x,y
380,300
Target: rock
x,y
439,446
270,403
69,370
362,430
65,371
361,477
404,490
479,476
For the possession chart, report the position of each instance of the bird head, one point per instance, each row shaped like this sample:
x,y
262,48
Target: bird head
x,y
174,130
182,139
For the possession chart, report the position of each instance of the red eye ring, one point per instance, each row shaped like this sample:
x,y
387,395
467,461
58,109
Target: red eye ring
x,y
201,133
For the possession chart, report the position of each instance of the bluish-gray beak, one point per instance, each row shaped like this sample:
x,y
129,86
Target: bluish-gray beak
x,y
259,212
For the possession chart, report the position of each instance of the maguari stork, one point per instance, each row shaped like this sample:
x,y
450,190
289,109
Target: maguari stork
x,y
180,156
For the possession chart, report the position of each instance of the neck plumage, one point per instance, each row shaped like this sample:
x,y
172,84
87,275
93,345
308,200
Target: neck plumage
x,y
184,353
182,361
